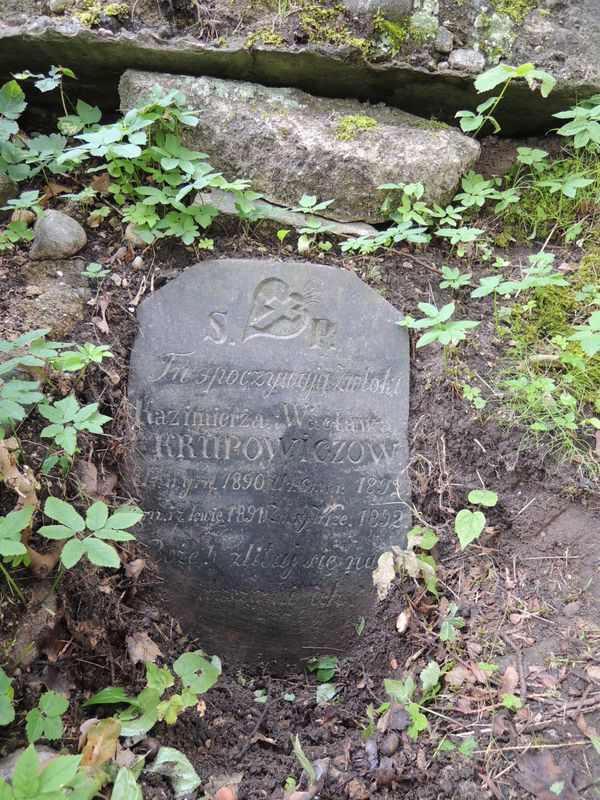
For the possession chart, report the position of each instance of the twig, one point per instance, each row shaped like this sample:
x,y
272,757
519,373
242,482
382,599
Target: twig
x,y
254,730
533,747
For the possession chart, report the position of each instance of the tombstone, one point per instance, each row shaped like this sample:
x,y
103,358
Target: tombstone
x,y
271,403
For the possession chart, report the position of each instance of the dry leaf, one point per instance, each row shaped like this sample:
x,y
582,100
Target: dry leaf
x,y
101,744
383,574
537,773
260,737
53,190
87,475
510,681
125,757
403,621
100,322
459,675
593,672
135,568
84,729
141,648
100,183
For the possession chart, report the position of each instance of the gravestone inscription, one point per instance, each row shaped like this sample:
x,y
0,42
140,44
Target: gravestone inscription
x,y
271,403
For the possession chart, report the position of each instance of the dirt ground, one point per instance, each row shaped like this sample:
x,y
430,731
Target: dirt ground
x,y
529,589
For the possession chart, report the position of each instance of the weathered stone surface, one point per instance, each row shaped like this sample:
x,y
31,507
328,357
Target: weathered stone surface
x,y
99,58
8,190
289,143
57,294
57,235
224,202
272,401
467,60
444,40
391,9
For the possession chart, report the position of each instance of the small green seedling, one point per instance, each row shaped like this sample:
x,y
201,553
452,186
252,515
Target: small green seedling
x,y
95,271
45,720
454,278
440,327
83,355
451,623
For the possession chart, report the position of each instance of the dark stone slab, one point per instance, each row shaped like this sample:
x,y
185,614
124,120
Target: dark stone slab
x,y
271,401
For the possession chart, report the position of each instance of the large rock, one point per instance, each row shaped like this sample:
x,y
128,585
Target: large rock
x,y
565,41
57,235
391,9
290,143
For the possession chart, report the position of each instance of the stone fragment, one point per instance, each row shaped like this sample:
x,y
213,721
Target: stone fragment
x,y
270,402
23,215
8,190
393,10
290,143
60,299
444,40
57,236
467,60
132,236
8,763
224,202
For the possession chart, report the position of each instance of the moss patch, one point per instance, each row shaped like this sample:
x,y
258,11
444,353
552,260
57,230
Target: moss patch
x,y
349,126
264,36
517,10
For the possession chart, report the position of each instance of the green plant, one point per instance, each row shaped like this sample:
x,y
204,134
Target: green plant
x,y
7,710
408,561
473,395
450,624
454,278
468,526
588,335
79,359
324,667
67,418
474,122
438,325
30,781
45,720
403,693
197,675
584,125
95,271
98,528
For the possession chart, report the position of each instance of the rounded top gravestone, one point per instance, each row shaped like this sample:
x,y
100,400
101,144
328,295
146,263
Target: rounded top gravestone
x,y
271,403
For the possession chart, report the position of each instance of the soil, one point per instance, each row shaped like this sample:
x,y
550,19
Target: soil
x,y
528,590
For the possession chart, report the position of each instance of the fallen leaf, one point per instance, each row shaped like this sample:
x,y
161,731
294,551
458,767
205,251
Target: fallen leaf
x,y
593,672
100,322
459,675
538,772
101,745
141,648
87,475
260,737
84,728
135,568
403,621
384,574
125,757
53,190
510,681
175,766
101,182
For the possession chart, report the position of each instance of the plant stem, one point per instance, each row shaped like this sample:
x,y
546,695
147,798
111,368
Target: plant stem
x,y
493,108
54,586
12,584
